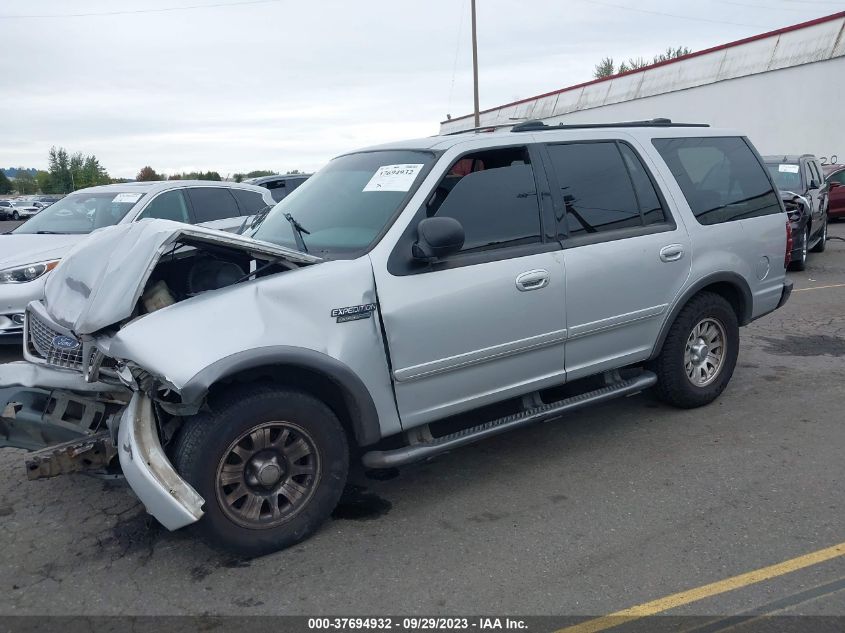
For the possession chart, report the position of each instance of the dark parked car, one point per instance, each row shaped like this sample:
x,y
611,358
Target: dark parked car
x,y
835,177
805,195
279,186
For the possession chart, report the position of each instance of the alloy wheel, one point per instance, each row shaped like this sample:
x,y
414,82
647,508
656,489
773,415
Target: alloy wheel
x,y
267,475
705,351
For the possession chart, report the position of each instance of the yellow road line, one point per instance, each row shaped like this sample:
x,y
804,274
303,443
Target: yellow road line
x,y
699,593
819,287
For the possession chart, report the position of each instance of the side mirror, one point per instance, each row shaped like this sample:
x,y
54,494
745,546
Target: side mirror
x,y
437,237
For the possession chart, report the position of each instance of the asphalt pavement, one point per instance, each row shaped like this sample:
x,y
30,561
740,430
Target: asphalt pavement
x,y
614,506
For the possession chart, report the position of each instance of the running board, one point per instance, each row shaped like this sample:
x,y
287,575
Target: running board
x,y
424,450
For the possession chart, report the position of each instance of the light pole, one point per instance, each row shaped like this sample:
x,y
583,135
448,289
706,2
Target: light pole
x,y
475,65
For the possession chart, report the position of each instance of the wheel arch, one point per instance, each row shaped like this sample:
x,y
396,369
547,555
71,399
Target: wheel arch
x,y
322,376
730,286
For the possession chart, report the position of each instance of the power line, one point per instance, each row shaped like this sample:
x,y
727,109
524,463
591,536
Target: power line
x,y
137,11
669,15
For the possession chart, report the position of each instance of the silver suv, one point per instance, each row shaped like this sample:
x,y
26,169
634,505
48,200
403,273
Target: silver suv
x,y
406,300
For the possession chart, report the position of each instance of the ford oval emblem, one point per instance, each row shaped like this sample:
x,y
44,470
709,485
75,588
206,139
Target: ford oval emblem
x,y
65,342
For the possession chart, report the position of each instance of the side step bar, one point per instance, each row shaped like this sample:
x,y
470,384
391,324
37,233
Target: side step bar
x,y
424,450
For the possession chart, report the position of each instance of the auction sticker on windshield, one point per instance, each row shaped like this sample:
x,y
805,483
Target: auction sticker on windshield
x,y
393,177
788,169
127,197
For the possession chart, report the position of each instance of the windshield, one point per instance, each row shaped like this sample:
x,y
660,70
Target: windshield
x,y
343,207
81,213
787,177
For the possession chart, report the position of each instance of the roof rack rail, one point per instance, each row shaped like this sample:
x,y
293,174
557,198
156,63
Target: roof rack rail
x,y
483,128
535,125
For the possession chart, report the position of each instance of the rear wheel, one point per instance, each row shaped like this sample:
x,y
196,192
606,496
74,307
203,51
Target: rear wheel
x,y
699,353
271,464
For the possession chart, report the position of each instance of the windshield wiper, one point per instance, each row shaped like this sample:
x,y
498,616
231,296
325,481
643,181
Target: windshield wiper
x,y
49,233
298,230
257,219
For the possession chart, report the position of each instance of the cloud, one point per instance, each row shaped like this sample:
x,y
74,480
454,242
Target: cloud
x,y
289,85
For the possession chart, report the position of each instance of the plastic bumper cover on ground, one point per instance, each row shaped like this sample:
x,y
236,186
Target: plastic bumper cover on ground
x,y
166,496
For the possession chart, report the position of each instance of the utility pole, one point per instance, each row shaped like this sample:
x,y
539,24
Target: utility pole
x,y
475,65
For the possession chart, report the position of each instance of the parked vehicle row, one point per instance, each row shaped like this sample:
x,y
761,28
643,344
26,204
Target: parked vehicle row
x,y
279,185
406,300
18,209
29,252
805,195
835,178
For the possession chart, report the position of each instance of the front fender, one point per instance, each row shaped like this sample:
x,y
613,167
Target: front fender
x,y
280,319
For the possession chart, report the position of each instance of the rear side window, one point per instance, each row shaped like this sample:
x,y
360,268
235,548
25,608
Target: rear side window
x,y
494,196
250,201
212,203
720,177
169,205
650,206
604,187
817,175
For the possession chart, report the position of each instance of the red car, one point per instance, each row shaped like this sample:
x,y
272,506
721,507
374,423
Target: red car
x,y
835,177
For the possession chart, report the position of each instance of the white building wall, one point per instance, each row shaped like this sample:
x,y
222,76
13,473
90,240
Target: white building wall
x,y
785,92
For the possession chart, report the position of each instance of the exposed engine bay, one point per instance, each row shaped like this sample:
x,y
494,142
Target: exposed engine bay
x,y
190,269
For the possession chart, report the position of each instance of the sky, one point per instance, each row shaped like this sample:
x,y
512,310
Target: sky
x,y
239,85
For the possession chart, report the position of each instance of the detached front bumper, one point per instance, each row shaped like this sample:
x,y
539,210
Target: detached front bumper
x,y
67,420
166,496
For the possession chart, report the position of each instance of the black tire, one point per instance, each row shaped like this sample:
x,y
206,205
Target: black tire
x,y
15,216
801,263
206,442
822,243
674,386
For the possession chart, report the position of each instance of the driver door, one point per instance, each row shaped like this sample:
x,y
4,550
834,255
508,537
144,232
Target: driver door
x,y
487,323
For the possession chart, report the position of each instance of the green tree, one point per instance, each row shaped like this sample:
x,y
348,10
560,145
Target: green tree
x,y
25,182
148,173
605,68
44,182
671,53
238,177
260,172
91,173
5,183
59,168
196,175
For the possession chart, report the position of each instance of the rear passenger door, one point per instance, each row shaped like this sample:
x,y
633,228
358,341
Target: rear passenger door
x,y
215,207
626,256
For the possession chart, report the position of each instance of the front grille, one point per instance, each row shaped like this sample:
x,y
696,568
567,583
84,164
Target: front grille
x,y
41,337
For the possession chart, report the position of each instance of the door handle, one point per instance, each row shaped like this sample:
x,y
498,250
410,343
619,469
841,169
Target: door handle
x,y
671,253
532,280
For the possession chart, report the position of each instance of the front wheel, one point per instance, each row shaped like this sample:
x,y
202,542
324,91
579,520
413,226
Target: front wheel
x,y
271,464
699,353
822,243
801,262
16,216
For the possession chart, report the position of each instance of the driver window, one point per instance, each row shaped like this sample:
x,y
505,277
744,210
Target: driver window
x,y
494,197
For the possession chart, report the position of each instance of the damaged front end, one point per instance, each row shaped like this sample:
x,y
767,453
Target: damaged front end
x,y
75,401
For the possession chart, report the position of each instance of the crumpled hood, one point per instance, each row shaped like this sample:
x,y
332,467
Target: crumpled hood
x,y
20,249
100,280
